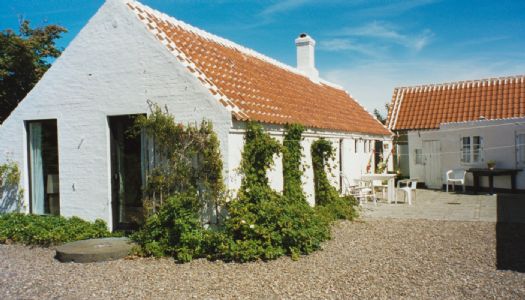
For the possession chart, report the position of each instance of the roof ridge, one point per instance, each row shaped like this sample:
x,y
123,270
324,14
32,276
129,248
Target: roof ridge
x,y
454,84
231,44
155,21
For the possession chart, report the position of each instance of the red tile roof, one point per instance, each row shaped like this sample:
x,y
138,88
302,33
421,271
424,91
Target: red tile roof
x,y
427,106
255,87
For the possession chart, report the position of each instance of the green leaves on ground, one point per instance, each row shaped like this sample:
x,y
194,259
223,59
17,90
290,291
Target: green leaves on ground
x,y
48,230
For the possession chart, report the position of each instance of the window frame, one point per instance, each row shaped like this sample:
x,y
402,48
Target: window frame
x,y
470,150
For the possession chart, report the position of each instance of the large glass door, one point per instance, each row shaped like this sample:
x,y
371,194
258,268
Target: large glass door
x,y
126,172
43,167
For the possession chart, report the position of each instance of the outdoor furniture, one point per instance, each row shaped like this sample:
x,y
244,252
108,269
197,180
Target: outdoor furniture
x,y
478,172
391,183
382,188
456,176
363,191
409,189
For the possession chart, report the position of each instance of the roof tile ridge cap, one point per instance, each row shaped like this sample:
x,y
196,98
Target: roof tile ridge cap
x,y
459,82
228,43
364,108
235,108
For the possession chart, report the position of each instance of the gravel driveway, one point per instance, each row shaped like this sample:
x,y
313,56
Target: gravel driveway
x,y
382,258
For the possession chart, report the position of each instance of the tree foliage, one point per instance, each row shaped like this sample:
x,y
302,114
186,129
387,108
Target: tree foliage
x,y
379,116
24,58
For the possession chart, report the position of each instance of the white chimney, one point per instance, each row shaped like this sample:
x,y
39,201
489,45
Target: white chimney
x,y
306,56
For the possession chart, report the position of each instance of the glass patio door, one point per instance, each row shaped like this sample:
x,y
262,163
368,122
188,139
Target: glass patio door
x,y
43,167
126,172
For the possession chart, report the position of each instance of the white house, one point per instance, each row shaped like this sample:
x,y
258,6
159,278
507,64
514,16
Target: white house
x,y
460,125
68,134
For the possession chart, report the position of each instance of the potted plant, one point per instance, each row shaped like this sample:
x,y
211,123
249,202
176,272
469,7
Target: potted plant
x,y
491,164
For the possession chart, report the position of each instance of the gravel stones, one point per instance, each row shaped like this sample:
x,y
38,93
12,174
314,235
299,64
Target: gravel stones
x,y
383,258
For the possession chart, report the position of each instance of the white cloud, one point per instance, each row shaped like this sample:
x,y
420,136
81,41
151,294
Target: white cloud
x,y
285,5
396,7
387,32
340,44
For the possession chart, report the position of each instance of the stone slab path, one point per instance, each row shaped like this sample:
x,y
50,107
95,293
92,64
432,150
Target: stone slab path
x,y
438,205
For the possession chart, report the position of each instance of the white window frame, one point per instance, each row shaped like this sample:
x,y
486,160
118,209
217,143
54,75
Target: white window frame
x,y
467,151
520,148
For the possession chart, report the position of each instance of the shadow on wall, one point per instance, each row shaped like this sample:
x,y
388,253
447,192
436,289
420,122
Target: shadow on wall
x,y
9,198
510,233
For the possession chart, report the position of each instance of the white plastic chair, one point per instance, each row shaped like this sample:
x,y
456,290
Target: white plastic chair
x,y
409,189
456,176
362,191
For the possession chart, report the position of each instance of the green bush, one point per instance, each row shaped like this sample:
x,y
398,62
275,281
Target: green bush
x,y
260,223
48,230
175,230
271,227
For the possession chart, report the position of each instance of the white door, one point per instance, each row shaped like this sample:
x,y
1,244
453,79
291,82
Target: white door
x,y
432,153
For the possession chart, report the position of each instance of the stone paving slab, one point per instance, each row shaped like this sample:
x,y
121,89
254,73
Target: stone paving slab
x,y
94,250
438,205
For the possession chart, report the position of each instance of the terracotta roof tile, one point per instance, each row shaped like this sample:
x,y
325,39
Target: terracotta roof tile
x,y
255,87
425,107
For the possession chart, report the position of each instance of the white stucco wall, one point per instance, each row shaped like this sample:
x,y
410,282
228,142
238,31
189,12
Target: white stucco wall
x,y
112,67
499,144
354,164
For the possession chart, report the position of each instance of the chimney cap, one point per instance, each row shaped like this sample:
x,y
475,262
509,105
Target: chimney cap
x,y
303,35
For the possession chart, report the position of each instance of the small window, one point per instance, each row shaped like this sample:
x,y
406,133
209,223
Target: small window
x,y
419,156
520,148
355,146
471,149
364,146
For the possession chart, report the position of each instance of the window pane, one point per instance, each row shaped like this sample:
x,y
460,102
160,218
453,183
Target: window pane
x,y
465,150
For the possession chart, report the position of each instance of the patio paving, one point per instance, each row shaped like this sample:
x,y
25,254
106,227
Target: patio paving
x,y
438,205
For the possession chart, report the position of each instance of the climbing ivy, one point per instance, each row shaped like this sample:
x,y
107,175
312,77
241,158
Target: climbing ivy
x,y
292,169
187,159
10,183
329,203
257,157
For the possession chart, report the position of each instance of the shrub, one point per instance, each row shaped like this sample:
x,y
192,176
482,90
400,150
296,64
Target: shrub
x,y
48,230
271,226
260,224
175,230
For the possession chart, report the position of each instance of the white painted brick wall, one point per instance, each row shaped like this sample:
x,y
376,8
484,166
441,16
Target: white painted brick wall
x,y
111,68
354,164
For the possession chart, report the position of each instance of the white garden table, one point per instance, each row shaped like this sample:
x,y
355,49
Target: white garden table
x,y
391,183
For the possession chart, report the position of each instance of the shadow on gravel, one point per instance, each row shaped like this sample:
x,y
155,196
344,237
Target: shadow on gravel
x,y
510,233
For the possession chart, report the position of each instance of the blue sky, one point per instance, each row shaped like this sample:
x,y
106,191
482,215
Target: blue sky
x,y
368,47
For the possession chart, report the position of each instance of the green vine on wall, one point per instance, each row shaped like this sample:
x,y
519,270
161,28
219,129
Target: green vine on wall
x,y
10,183
257,159
322,151
330,204
292,169
187,159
